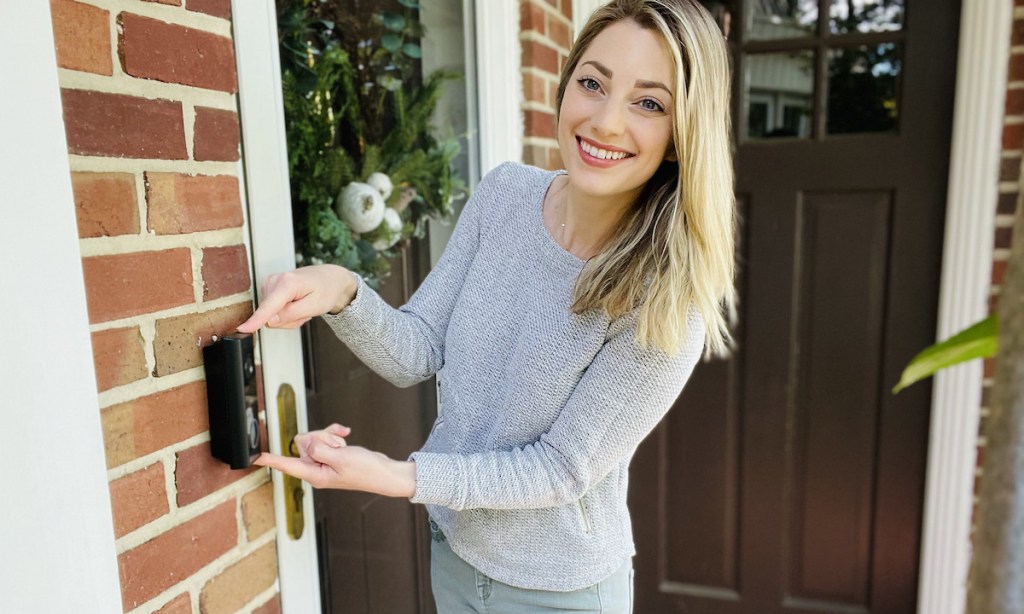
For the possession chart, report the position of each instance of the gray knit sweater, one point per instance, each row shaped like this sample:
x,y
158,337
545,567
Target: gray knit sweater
x,y
541,410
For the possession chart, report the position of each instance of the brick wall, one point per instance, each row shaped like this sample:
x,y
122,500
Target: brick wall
x,y
149,89
545,33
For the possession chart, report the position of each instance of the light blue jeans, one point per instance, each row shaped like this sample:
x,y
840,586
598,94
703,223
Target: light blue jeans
x,y
460,588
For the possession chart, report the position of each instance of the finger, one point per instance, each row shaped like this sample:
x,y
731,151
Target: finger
x,y
339,430
329,438
273,302
304,470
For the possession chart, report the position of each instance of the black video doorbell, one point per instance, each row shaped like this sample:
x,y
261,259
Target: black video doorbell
x,y
231,396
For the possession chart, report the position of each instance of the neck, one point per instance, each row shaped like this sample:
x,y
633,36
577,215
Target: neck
x,y
586,223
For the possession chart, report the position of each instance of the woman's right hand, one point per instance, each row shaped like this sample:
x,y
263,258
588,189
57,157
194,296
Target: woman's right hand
x,y
293,298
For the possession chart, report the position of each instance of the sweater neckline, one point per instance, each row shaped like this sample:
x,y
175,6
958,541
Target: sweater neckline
x,y
550,245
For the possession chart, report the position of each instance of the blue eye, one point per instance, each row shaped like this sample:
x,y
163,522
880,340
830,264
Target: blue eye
x,y
589,83
649,104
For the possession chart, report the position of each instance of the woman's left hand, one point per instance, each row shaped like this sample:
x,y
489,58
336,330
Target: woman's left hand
x,y
326,461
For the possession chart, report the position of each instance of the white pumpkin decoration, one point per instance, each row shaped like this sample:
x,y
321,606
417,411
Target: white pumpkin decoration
x,y
381,183
393,225
360,206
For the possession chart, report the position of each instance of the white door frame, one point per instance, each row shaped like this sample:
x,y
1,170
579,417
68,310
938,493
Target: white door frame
x,y
58,552
269,210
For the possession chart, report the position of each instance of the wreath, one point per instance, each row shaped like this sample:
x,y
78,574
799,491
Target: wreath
x,y
367,167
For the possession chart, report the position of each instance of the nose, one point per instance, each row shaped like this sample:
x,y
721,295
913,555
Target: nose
x,y
609,119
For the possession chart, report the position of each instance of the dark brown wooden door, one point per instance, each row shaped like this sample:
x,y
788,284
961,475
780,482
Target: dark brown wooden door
x,y
374,551
789,478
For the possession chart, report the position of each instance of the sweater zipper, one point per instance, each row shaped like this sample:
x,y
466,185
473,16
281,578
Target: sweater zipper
x,y
585,516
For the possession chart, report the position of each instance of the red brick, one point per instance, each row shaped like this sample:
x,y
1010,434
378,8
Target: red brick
x,y
179,341
81,36
271,607
167,559
101,124
1009,169
531,17
119,357
567,9
1013,136
535,89
1014,102
1017,35
225,271
179,204
240,583
258,511
182,604
105,204
559,32
540,124
141,282
150,423
217,8
153,49
998,272
1004,238
138,498
216,135
197,474
539,55
1016,71
1007,203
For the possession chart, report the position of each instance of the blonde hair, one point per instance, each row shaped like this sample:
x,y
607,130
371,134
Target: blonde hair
x,y
675,246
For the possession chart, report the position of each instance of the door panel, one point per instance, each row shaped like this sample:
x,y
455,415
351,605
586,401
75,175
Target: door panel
x,y
789,478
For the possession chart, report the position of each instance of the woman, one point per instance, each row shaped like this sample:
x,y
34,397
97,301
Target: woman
x,y
563,320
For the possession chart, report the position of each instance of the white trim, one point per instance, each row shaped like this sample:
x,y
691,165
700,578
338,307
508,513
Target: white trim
x,y
265,156
497,54
58,552
581,11
967,261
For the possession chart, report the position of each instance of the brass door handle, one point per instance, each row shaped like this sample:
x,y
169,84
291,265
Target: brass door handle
x,y
293,493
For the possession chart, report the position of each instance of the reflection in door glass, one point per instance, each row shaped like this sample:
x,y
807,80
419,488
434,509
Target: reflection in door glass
x,y
770,19
865,16
780,94
863,88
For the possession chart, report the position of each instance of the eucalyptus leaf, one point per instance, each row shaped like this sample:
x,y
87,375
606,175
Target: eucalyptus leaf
x,y
393,21
978,341
391,42
412,50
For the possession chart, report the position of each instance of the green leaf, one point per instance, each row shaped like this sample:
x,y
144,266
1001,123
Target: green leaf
x,y
978,341
393,21
412,50
391,42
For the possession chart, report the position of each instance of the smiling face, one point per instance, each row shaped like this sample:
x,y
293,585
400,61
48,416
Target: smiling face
x,y
615,123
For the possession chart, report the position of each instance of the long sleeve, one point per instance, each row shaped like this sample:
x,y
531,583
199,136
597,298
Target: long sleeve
x,y
406,345
621,397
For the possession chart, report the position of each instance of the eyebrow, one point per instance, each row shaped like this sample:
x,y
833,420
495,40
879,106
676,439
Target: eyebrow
x,y
607,72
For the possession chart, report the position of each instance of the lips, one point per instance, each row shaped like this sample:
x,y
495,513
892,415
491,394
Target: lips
x,y
601,156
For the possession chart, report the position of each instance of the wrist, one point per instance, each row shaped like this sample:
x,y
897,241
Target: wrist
x,y
405,482
347,290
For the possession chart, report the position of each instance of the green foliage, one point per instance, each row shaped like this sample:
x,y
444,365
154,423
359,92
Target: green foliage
x,y
977,341
353,107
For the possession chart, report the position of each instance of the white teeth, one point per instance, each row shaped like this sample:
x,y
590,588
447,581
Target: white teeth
x,y
601,153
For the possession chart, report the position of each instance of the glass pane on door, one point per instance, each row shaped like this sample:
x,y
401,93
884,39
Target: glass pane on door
x,y
865,15
774,19
780,94
863,88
